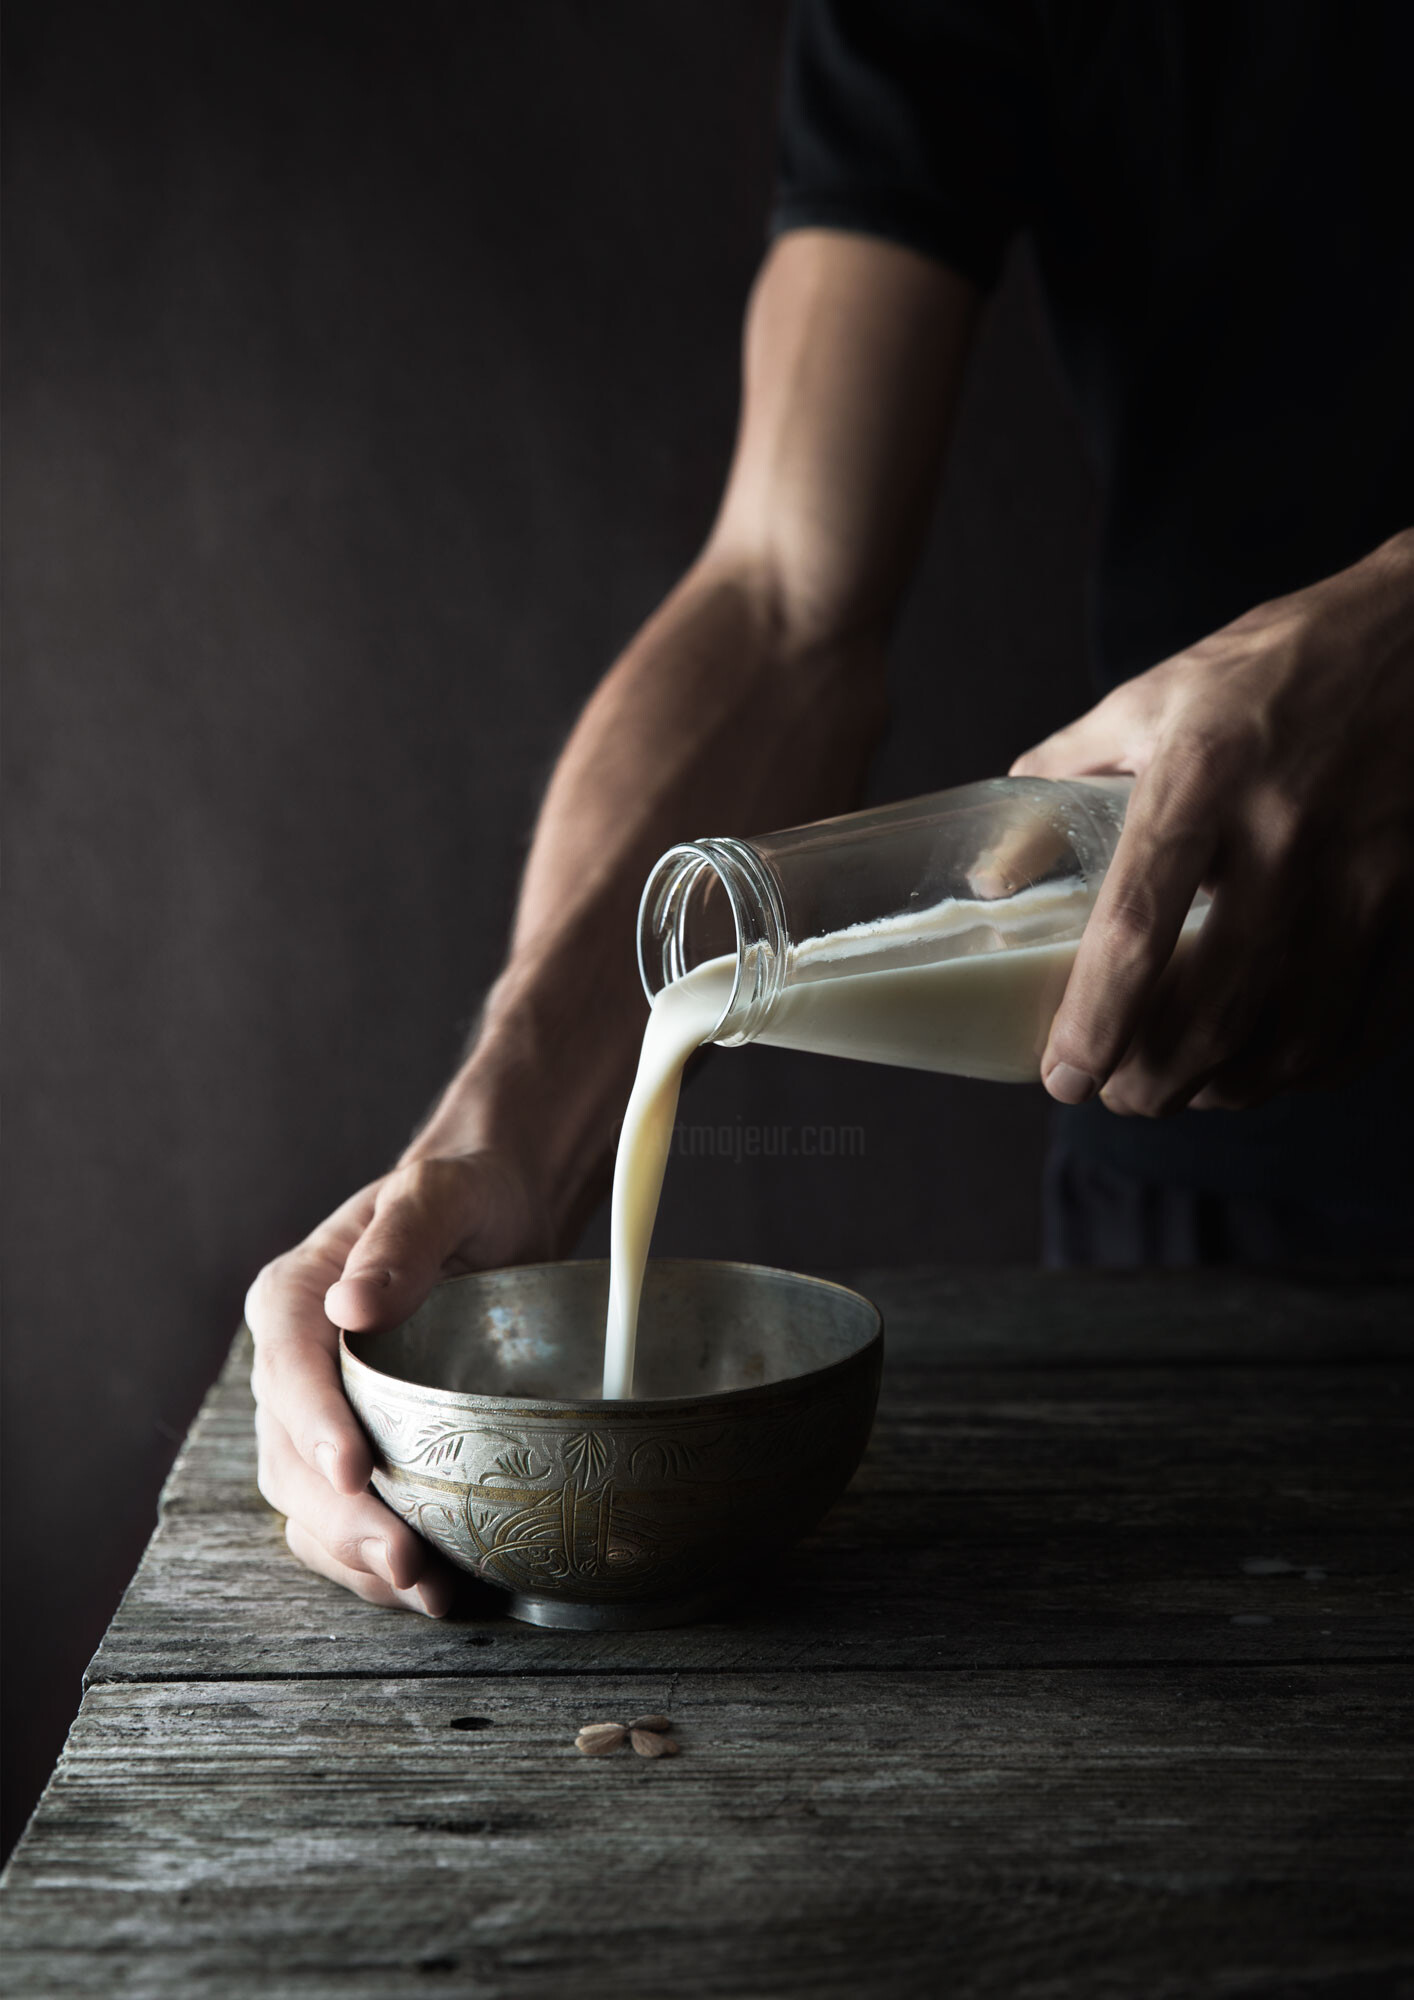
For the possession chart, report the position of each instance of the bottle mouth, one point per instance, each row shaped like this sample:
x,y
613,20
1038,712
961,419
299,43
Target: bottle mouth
x,y
713,899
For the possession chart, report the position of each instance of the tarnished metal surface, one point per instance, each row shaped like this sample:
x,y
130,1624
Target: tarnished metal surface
x,y
756,1394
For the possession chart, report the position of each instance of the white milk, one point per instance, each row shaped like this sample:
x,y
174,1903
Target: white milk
x,y
985,1011
683,1018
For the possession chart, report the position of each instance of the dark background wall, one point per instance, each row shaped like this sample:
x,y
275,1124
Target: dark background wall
x,y
371,373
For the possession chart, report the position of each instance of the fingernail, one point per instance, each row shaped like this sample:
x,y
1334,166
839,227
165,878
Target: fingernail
x,y
1070,1085
375,1554
327,1459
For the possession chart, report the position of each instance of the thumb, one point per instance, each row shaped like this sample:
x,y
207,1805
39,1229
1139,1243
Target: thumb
x,y
1100,740
423,1213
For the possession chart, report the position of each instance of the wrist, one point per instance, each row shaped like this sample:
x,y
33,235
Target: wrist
x,y
1375,596
1396,563
540,1089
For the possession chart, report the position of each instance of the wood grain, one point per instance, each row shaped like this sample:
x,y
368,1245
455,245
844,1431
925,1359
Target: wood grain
x,y
1084,1319
1095,1683
1010,1322
817,1836
221,1598
1008,1513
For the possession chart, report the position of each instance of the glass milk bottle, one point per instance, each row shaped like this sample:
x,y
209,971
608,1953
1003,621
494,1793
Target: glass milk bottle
x,y
936,933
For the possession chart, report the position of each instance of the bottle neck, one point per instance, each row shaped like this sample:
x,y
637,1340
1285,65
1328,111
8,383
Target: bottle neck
x,y
712,899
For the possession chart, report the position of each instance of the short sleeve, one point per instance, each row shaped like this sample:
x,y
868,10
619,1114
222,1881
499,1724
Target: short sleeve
x,y
908,120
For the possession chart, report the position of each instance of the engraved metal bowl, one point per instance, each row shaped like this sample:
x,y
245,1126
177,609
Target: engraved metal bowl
x,y
754,1395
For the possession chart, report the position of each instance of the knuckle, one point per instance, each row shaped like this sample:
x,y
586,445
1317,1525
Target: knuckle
x,y
304,1440
1212,1032
1275,822
1134,1099
265,1379
1127,927
398,1183
1198,751
1239,1087
343,1544
1204,1048
414,1179
257,1299
299,1542
267,1481
403,1199
262,1300
1150,1091
265,1371
267,1478
1206,750
1129,920
438,1185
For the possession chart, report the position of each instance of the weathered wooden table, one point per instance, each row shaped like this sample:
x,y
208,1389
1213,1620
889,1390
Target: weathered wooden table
x,y
1096,1683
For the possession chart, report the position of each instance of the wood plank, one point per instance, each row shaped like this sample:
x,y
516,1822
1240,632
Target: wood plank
x,y
1033,1712
222,1598
956,1318
940,1320
214,1471
995,1425
1050,1515
1103,1833
1057,1515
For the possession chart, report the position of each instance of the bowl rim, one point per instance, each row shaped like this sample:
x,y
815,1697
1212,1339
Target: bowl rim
x,y
621,1410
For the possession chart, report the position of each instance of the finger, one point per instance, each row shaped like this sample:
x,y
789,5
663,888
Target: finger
x,y
1384,995
296,1371
296,1376
1342,1003
1219,998
424,1215
1108,737
356,1530
1021,855
363,1583
1159,865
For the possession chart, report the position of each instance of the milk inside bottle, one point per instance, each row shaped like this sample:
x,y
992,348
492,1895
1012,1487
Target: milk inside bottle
x,y
936,934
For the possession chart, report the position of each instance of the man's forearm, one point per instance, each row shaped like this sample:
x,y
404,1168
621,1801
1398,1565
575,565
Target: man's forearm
x,y
750,700
723,716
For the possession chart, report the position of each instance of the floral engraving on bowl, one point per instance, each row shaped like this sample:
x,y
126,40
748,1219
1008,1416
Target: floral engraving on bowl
x,y
438,1444
603,1511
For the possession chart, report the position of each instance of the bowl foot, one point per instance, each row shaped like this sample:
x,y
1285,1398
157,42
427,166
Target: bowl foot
x,y
646,1615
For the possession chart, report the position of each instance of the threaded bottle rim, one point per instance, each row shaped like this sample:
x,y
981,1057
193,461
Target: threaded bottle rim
x,y
674,936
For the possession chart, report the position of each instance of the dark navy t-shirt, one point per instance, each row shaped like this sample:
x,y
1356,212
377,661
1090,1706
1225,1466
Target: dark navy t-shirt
x,y
1220,196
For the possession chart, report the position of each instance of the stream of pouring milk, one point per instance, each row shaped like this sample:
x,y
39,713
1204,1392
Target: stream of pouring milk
x,y
985,1010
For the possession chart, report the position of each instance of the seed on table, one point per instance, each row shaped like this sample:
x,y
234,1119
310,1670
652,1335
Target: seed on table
x,y
596,1739
659,1722
652,1743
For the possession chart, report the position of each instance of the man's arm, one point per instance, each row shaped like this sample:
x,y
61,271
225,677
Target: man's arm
x,y
750,699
